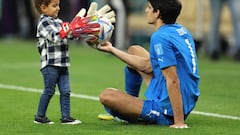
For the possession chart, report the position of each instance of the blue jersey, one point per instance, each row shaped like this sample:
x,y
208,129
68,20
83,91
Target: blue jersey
x,y
173,45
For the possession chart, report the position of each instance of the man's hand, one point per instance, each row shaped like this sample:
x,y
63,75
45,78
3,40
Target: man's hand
x,y
105,47
181,126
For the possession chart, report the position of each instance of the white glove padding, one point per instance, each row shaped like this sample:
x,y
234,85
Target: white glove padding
x,y
81,13
92,10
103,12
106,11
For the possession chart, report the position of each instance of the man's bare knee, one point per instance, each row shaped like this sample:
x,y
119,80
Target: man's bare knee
x,y
138,50
106,96
134,49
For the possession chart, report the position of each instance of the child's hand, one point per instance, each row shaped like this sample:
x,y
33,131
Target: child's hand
x,y
85,25
80,25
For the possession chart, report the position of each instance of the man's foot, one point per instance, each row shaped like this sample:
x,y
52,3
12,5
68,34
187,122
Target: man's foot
x,y
120,120
105,117
110,117
42,120
70,121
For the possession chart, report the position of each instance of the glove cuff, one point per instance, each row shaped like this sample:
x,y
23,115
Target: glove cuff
x,y
65,30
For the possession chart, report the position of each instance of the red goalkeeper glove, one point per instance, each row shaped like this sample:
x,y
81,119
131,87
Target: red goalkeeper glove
x,y
80,26
85,26
66,30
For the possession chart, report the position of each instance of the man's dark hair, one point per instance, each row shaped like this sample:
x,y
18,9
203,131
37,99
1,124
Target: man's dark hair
x,y
169,9
38,4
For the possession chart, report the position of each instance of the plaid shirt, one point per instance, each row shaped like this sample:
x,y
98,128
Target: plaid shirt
x,y
53,50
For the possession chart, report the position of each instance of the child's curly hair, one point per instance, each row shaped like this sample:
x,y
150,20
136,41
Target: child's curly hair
x,y
38,4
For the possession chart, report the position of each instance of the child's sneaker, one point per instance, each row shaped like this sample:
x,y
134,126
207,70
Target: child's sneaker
x,y
70,121
42,120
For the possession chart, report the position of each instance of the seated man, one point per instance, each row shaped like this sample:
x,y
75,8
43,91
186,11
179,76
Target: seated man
x,y
170,70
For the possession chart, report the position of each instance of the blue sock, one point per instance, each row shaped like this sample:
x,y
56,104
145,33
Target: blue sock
x,y
133,81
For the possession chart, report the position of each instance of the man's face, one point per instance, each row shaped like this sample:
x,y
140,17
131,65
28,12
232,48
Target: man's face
x,y
151,15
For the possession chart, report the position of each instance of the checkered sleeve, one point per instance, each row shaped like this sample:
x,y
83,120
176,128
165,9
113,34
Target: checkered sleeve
x,y
52,49
49,29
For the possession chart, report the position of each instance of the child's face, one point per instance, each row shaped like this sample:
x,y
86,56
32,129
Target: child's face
x,y
52,9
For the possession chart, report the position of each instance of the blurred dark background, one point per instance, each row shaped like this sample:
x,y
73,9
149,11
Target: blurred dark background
x,y
18,19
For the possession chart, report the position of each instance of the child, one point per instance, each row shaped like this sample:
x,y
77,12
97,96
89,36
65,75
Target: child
x,y
52,45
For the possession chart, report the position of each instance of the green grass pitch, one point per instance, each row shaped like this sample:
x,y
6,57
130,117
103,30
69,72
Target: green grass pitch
x,y
92,71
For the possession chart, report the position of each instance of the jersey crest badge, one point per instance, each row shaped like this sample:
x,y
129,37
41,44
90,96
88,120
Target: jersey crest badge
x,y
158,49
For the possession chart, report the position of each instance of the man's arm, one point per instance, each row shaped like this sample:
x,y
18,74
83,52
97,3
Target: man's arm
x,y
173,86
140,63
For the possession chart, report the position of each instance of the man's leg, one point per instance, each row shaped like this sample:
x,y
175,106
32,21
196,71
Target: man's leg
x,y
142,52
123,105
133,81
